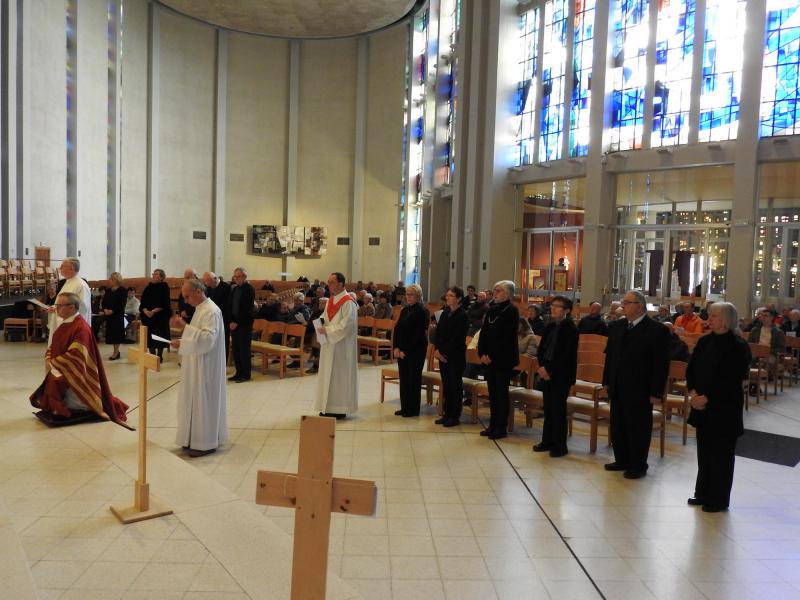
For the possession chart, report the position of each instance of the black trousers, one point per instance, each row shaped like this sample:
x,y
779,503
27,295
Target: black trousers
x,y
715,460
410,372
554,430
631,430
227,333
240,340
453,387
498,379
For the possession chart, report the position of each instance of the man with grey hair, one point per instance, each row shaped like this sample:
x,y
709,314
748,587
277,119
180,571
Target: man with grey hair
x,y
219,293
637,364
71,284
202,399
242,298
792,324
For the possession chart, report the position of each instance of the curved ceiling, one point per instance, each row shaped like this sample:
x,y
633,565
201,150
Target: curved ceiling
x,y
296,18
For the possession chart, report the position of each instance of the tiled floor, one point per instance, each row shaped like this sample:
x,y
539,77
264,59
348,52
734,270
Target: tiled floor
x,y
459,517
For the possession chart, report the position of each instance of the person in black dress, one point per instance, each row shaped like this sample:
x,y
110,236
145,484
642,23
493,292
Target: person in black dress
x,y
719,364
186,310
451,352
241,326
499,353
558,363
409,345
219,293
113,307
635,374
155,311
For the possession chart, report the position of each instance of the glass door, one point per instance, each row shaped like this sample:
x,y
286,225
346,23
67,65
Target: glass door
x,y
551,262
776,264
639,262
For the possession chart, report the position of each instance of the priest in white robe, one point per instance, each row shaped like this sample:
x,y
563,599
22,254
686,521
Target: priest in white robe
x,y
202,400
337,386
73,284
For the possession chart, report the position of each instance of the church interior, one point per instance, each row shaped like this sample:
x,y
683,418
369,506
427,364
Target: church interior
x,y
575,148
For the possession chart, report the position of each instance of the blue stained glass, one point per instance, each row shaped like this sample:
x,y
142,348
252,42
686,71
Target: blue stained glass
x,y
630,36
525,94
554,62
721,83
780,85
673,72
582,53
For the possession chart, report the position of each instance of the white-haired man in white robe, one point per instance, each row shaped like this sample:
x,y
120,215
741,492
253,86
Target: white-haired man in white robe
x,y
73,284
337,387
202,400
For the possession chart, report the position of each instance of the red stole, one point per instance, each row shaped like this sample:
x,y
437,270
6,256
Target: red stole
x,y
75,354
331,308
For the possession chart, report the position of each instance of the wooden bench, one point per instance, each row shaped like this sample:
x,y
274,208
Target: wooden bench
x,y
17,323
379,341
282,351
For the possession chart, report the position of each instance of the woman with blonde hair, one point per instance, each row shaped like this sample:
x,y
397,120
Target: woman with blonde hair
x,y
113,309
410,343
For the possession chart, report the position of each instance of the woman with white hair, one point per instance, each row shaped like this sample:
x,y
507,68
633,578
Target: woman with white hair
x,y
409,346
499,352
719,364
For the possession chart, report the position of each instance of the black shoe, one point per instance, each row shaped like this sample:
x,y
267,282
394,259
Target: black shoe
x,y
634,474
293,365
694,502
614,466
407,415
710,508
542,447
558,453
233,378
486,432
337,416
497,435
399,413
451,423
115,357
440,421
195,453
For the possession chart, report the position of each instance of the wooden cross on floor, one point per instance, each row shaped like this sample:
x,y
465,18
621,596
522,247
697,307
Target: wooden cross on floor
x,y
143,506
314,494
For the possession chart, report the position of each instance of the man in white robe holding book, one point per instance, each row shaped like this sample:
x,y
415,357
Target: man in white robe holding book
x,y
202,400
337,333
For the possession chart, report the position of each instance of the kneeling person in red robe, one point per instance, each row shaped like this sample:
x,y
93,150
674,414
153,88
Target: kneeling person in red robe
x,y
75,383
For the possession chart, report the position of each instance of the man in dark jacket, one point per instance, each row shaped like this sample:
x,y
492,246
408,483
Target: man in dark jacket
x,y
593,323
558,363
242,297
476,311
637,364
219,292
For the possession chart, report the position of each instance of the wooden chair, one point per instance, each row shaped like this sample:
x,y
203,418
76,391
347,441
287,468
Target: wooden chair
x,y
586,357
291,346
379,341
262,346
40,279
588,398
430,378
592,338
677,401
15,323
793,357
28,281
591,346
759,373
13,280
475,388
524,397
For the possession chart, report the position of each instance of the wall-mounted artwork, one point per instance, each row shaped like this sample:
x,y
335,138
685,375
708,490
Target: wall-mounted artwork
x,y
282,240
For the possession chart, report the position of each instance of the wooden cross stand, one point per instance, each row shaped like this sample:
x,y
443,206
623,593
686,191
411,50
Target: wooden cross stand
x,y
315,494
143,507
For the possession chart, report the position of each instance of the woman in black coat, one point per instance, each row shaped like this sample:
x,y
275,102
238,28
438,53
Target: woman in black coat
x,y
113,307
558,363
155,311
719,364
451,351
499,352
409,345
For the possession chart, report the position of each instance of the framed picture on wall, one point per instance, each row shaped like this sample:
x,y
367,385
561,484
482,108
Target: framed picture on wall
x,y
282,240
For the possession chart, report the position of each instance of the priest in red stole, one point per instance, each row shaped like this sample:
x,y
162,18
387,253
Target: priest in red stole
x,y
76,382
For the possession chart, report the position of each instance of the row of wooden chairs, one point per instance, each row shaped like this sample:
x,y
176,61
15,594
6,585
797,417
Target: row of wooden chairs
x,y
289,344
16,280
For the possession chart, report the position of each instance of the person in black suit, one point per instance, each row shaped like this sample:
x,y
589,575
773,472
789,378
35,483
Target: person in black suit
x,y
558,363
451,352
791,324
499,352
719,364
409,345
593,323
637,364
241,326
156,310
219,293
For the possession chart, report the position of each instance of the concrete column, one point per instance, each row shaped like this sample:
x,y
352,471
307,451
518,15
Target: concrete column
x,y
292,144
153,126
220,133
745,180
359,162
599,211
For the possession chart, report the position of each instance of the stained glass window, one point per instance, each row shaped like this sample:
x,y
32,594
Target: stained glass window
x,y
525,98
554,64
673,72
582,52
723,52
630,36
780,87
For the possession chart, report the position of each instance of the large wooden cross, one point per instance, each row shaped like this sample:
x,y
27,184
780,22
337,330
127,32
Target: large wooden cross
x,y
143,506
314,494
